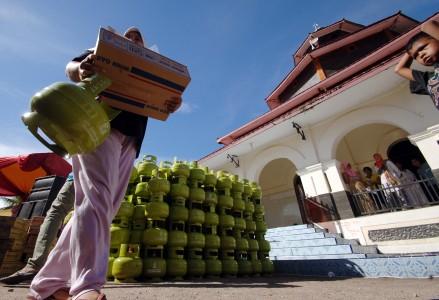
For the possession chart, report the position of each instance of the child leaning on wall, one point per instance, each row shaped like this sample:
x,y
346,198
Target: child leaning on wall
x,y
424,48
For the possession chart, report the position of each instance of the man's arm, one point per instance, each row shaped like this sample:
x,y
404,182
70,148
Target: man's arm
x,y
431,28
403,67
79,70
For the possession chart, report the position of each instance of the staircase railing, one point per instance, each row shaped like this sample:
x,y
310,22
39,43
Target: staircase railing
x,y
316,211
420,193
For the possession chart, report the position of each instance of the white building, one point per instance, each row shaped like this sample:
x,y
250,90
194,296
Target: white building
x,y
341,101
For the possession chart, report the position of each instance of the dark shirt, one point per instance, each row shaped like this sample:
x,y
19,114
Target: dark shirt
x,y
426,83
128,123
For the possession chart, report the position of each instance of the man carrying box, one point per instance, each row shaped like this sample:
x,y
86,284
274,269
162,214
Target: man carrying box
x,y
77,265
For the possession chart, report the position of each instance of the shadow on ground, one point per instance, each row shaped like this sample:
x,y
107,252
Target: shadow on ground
x,y
275,281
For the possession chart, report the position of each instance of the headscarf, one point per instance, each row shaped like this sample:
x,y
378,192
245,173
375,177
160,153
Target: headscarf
x,y
134,29
379,161
347,168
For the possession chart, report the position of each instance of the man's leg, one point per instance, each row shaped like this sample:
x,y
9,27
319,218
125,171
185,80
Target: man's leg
x,y
99,179
60,207
55,274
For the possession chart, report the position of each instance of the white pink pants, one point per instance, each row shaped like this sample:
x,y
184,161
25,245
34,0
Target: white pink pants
x,y
80,257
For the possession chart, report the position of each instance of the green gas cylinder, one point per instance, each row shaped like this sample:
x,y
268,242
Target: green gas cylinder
x,y
154,268
212,241
245,267
213,267
139,217
165,167
128,265
210,178
237,185
124,214
110,267
69,115
158,185
134,177
136,236
176,265
247,192
256,191
179,191
196,216
229,267
267,266
253,245
147,165
195,240
155,236
114,253
226,221
223,180
178,213
196,266
197,173
264,246
250,225
177,239
142,190
256,267
211,198
211,219
157,210
240,224
180,169
119,235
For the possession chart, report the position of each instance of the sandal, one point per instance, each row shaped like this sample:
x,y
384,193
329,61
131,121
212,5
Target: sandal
x,y
61,294
91,295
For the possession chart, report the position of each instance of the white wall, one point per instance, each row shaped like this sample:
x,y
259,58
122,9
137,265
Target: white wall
x,y
278,195
358,228
411,113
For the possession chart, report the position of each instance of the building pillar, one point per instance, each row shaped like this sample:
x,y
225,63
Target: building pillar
x,y
339,190
315,184
428,143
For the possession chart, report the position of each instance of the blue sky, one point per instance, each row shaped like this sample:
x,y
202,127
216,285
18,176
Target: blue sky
x,y
237,51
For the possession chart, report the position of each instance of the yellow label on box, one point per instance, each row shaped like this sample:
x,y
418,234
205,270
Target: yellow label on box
x,y
143,81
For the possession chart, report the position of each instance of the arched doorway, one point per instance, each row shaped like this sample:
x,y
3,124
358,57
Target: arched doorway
x,y
300,196
278,194
358,146
403,151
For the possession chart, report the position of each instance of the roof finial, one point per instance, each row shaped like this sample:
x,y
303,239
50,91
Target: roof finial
x,y
316,27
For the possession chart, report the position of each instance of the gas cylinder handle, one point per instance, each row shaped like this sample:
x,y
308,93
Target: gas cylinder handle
x,y
31,120
150,158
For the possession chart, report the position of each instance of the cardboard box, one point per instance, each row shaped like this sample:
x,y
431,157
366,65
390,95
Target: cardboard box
x,y
143,81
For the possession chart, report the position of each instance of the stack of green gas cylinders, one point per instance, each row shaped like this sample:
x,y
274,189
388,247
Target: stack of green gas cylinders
x,y
179,220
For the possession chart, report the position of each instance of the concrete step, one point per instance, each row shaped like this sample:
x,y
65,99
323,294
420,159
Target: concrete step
x,y
364,249
317,250
304,243
342,241
288,232
318,257
293,227
373,266
304,236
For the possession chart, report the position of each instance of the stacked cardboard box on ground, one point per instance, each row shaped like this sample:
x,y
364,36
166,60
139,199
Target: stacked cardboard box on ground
x,y
13,234
32,234
17,242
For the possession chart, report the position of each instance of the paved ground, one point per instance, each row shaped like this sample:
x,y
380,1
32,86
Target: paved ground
x,y
265,288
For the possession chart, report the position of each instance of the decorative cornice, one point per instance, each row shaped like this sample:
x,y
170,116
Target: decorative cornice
x,y
430,132
405,233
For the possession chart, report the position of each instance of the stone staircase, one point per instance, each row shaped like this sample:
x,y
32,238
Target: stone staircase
x,y
305,250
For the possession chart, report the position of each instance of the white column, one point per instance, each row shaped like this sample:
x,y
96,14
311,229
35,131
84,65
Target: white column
x,y
335,179
314,180
427,142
